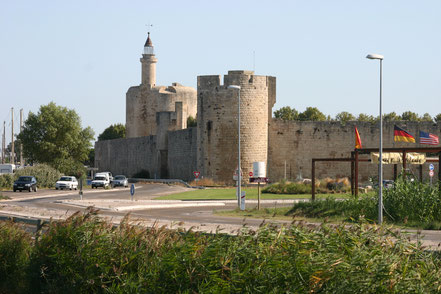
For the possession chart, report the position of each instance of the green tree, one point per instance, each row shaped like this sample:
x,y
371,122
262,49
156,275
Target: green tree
x,y
391,116
312,113
54,136
191,122
410,116
115,131
426,117
437,118
286,113
344,116
366,117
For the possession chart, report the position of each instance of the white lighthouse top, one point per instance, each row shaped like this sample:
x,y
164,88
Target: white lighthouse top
x,y
148,46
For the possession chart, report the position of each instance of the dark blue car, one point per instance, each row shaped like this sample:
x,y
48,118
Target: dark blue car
x,y
28,183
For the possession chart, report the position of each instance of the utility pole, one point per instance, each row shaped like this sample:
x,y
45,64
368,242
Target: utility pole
x,y
3,142
12,137
21,145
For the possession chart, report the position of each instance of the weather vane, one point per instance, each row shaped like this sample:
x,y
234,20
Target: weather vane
x,y
149,25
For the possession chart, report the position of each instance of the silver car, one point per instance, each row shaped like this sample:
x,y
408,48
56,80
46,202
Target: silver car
x,y
120,180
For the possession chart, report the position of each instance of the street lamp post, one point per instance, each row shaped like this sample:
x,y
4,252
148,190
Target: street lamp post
x,y
380,168
239,176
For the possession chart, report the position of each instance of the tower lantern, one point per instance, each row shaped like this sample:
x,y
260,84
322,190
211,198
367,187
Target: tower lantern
x,y
148,46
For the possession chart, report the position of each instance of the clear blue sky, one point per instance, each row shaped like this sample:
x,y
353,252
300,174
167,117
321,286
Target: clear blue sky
x,y
85,54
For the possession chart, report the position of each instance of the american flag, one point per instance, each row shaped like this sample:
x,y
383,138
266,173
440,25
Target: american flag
x,y
428,138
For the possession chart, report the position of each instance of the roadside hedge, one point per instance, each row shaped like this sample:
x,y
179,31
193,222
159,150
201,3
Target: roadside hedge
x,y
46,176
88,255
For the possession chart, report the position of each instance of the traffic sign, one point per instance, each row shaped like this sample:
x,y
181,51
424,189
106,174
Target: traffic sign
x,y
431,173
132,189
196,174
431,167
251,174
259,180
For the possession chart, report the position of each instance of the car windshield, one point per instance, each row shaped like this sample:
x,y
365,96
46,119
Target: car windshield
x,y
25,179
120,177
100,178
66,179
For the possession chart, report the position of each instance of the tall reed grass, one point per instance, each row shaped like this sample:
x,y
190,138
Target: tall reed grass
x,y
85,254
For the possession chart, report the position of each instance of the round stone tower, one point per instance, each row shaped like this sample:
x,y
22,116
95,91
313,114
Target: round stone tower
x,y
148,62
217,121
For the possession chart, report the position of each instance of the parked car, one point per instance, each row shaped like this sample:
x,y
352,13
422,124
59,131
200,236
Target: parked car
x,y
25,183
66,182
100,181
109,175
120,180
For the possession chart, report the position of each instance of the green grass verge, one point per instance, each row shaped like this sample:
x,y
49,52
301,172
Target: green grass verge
x,y
230,194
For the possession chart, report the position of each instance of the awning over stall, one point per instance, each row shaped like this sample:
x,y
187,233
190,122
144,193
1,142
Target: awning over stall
x,y
395,158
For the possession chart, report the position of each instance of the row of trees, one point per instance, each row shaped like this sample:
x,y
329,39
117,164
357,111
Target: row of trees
x,y
314,114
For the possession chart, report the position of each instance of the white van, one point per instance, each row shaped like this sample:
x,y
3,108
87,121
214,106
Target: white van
x,y
7,168
101,180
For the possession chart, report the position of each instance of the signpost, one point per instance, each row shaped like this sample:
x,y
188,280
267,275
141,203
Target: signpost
x,y
81,188
132,190
242,201
258,181
431,172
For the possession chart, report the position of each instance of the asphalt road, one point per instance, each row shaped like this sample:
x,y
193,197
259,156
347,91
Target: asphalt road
x,y
55,200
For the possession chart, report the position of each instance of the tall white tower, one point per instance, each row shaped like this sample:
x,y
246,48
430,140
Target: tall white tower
x,y
148,62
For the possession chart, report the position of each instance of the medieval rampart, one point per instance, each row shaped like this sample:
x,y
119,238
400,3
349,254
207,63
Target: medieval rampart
x,y
297,142
182,150
127,156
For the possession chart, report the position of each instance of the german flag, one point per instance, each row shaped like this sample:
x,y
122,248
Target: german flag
x,y
357,139
401,135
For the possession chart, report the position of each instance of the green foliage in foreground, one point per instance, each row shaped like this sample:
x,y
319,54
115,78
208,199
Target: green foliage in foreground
x,y
46,176
87,255
407,201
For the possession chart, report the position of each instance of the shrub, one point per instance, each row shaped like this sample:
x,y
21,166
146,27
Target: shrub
x,y
15,248
326,185
6,181
46,175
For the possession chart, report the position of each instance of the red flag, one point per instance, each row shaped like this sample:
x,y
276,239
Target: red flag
x,y
357,139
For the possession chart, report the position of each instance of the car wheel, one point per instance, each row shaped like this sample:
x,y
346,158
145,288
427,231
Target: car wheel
x,y
21,190
70,188
35,189
56,188
30,189
15,190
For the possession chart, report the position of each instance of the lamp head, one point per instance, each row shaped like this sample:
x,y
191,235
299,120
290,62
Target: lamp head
x,y
375,56
234,87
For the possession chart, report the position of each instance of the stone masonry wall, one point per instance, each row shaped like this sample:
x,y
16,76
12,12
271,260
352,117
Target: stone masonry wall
x,y
218,123
127,156
298,142
182,150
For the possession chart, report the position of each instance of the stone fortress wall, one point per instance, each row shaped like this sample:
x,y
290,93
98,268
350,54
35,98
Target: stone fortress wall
x,y
297,142
218,122
159,141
